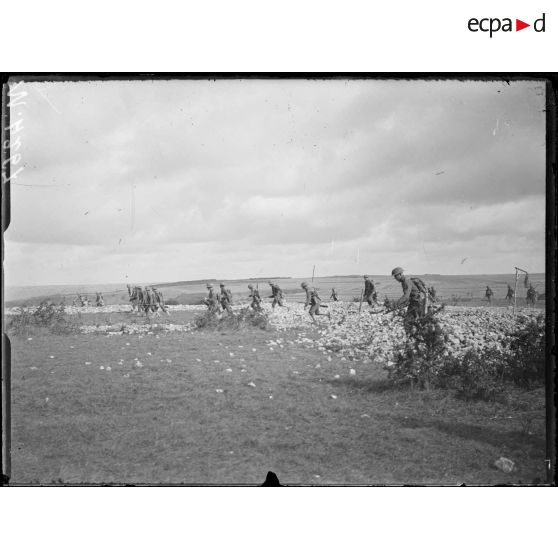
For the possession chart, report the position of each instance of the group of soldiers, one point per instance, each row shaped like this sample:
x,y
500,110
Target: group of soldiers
x,y
221,301
416,297
531,298
146,299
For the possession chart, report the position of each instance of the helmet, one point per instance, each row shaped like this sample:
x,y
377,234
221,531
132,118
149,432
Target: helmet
x,y
365,277
304,284
208,286
397,271
221,284
250,286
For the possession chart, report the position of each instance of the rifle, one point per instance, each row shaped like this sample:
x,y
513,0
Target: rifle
x,y
360,305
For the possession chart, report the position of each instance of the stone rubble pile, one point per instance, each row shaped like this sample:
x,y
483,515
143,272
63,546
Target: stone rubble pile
x,y
375,336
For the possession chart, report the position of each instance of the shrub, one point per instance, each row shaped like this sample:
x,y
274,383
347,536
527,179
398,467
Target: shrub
x,y
526,365
172,302
47,316
419,361
424,361
477,375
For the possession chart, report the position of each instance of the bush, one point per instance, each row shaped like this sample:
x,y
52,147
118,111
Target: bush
x,y
46,316
172,302
478,375
424,361
527,349
419,362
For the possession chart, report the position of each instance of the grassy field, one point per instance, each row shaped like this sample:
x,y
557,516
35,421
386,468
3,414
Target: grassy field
x,y
225,407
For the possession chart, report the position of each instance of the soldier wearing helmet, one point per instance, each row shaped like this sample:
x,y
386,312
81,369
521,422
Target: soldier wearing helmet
x,y
159,300
489,293
370,294
333,295
99,300
414,297
313,300
211,301
226,298
532,296
276,295
256,303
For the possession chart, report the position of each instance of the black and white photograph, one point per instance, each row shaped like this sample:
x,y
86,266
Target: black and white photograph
x,y
297,280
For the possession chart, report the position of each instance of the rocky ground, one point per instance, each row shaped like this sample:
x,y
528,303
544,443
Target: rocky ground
x,y
365,336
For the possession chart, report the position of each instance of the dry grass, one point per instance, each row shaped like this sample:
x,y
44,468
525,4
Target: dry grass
x,y
166,423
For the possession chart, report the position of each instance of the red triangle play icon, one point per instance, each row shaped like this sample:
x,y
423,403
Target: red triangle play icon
x,y
519,25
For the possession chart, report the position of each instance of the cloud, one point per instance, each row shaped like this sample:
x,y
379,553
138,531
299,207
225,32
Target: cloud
x,y
277,166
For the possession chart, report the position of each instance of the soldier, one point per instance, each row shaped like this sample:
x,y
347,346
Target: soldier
x,y
276,295
132,296
488,295
256,303
147,300
414,296
313,300
226,299
370,294
212,300
532,296
509,295
99,300
333,295
432,294
159,300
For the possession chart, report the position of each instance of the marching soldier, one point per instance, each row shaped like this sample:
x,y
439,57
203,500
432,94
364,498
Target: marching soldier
x,y
333,295
148,301
432,294
509,295
370,294
256,303
133,297
313,300
212,300
99,300
488,295
414,297
226,299
276,295
532,296
159,300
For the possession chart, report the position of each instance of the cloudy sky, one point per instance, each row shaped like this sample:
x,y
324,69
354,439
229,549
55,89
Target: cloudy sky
x,y
147,181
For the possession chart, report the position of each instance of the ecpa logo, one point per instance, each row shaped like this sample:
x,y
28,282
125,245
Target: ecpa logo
x,y
492,25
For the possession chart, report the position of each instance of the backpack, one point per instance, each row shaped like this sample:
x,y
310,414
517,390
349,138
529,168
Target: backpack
x,y
419,284
421,288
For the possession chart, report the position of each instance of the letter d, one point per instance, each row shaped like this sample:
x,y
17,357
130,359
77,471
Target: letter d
x,y
535,25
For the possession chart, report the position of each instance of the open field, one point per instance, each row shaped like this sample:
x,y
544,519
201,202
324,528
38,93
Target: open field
x,y
224,407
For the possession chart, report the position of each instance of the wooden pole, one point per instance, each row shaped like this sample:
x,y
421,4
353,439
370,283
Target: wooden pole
x,y
515,290
313,270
